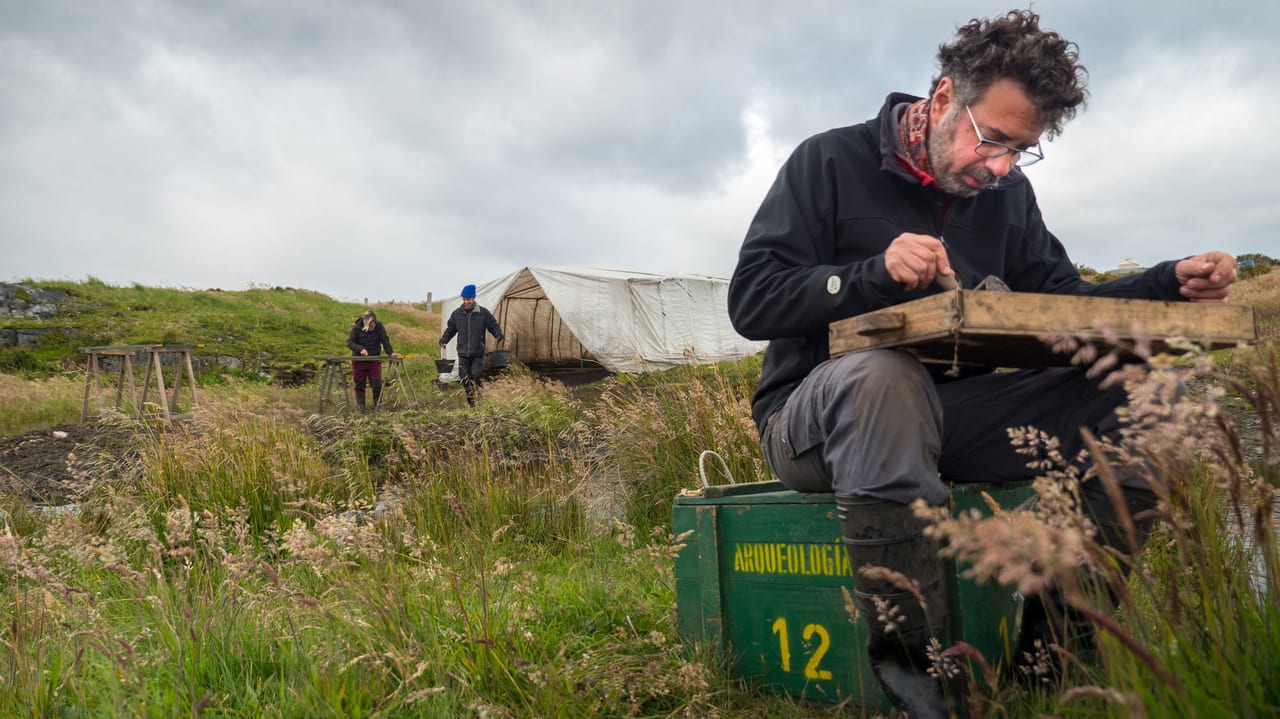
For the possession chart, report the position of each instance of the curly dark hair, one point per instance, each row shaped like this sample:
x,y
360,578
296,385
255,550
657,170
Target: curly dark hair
x,y
1044,63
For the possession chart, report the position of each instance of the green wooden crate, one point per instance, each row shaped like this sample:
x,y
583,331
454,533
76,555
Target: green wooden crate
x,y
759,582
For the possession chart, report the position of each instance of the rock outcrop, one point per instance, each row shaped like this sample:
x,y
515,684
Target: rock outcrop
x,y
24,302
27,302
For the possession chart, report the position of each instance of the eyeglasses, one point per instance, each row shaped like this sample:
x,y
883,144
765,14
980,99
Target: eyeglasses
x,y
991,148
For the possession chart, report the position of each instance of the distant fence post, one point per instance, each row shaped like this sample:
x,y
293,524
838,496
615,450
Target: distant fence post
x,y
428,300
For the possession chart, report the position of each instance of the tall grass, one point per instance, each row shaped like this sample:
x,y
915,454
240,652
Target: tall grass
x,y
30,404
646,434
252,455
1263,294
255,567
515,560
1192,631
268,562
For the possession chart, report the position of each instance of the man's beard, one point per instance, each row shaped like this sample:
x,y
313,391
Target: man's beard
x,y
942,154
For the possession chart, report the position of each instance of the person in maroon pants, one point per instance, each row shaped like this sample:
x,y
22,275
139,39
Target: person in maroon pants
x,y
367,337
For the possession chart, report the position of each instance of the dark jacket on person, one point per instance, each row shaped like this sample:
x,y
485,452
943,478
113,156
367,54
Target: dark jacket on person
x,y
814,252
470,328
371,340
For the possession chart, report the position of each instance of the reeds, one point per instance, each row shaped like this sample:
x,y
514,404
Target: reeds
x,y
1182,617
515,560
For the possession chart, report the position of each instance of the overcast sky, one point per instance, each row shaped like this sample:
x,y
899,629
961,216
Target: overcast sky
x,y
385,150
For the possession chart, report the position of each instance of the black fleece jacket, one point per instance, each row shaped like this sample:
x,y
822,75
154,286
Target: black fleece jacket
x,y
470,328
814,253
371,340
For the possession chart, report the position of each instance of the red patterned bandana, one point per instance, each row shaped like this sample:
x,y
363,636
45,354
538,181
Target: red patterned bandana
x,y
913,134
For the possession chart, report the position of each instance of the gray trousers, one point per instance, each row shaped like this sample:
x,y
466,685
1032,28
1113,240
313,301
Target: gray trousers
x,y
873,424
471,372
471,368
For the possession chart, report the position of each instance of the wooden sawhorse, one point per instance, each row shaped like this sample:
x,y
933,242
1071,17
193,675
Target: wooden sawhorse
x,y
93,376
333,377
168,405
125,376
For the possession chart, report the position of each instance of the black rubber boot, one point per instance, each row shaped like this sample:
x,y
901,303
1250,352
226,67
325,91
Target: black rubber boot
x,y
1111,531
360,396
899,628
1048,624
1048,621
376,385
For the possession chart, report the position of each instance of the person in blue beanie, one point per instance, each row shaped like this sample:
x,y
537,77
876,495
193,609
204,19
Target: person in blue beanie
x,y
469,323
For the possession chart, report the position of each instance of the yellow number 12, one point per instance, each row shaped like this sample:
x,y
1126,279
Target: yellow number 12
x,y
811,670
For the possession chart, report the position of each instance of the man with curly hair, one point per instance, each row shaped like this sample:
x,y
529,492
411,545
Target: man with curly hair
x,y
871,215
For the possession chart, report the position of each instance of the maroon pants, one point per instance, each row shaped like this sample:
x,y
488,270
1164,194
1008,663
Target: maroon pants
x,y
361,371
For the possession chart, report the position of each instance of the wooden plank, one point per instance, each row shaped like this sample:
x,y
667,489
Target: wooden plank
x,y
115,349
333,377
90,376
93,376
1039,314
1010,329
327,383
399,375
164,402
927,318
358,358
146,385
177,385
124,366
191,378
342,372
410,392
127,362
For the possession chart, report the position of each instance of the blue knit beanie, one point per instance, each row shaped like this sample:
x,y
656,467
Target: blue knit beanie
x,y
469,291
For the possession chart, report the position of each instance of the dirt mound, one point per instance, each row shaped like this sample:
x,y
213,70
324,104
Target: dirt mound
x,y
51,466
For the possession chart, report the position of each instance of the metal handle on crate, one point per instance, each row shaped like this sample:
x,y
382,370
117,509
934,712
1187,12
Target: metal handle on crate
x,y
702,468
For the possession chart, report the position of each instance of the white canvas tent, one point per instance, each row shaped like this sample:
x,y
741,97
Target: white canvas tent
x,y
622,321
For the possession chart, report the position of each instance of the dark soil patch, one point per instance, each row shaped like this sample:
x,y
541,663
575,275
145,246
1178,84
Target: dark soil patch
x,y
53,466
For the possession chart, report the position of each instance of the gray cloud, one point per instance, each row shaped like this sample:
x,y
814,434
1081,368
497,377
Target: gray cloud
x,y
385,149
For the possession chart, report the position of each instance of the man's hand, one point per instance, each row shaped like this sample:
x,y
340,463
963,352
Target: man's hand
x,y
913,260
364,353
1207,277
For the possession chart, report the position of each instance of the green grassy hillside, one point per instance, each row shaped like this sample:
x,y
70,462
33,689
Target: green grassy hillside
x,y
248,328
